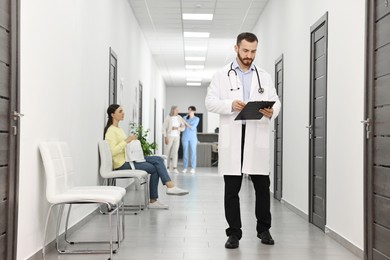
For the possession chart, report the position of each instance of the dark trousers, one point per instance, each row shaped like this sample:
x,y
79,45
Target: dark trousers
x,y
261,185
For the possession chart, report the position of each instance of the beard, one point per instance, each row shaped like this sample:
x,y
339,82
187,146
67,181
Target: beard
x,y
245,61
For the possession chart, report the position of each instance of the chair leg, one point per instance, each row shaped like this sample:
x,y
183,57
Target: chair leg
x,y
120,222
139,198
132,209
110,226
146,195
45,231
118,228
58,225
66,225
123,219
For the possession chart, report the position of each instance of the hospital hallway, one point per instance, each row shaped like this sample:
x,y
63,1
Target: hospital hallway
x,y
194,228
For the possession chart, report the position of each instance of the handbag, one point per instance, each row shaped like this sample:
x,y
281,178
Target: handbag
x,y
134,152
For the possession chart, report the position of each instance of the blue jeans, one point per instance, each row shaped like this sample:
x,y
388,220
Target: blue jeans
x,y
191,143
155,166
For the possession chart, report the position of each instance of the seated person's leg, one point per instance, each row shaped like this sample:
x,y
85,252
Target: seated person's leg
x,y
158,163
154,178
125,166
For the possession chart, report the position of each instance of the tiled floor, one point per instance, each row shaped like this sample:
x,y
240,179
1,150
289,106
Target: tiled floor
x,y
194,229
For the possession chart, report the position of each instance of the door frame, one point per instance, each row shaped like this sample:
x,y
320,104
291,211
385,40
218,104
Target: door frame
x,y
318,23
113,78
14,140
368,142
278,60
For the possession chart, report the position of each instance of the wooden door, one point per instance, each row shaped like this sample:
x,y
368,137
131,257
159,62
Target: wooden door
x,y
377,134
317,127
8,127
278,132
113,78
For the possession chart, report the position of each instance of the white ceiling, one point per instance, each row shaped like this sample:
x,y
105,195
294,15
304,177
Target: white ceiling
x,y
162,24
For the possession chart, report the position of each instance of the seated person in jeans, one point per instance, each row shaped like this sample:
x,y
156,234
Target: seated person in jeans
x,y
154,165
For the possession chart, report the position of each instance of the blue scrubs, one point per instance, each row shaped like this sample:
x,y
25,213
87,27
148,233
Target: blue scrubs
x,y
189,139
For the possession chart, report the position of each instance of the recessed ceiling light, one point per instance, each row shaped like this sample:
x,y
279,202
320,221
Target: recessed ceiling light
x,y
195,48
195,67
195,58
197,34
207,17
194,83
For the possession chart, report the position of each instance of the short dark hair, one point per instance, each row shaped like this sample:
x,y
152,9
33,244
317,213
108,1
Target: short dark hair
x,y
250,37
192,108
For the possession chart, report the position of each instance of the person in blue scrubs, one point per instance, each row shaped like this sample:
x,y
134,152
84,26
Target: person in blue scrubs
x,y
189,138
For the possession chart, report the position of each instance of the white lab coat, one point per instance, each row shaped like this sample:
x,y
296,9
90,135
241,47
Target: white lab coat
x,y
257,136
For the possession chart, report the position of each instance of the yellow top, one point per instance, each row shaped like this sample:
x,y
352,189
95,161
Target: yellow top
x,y
115,136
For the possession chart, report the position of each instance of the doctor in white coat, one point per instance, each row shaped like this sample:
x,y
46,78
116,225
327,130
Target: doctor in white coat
x,y
243,146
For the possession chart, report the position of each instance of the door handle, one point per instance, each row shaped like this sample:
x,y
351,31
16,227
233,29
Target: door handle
x,y
309,127
367,124
17,115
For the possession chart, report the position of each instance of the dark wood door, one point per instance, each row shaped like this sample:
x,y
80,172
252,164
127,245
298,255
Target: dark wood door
x,y
317,127
140,102
377,134
8,127
113,78
278,132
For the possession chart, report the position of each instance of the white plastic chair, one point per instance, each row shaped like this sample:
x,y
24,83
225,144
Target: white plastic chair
x,y
109,175
61,190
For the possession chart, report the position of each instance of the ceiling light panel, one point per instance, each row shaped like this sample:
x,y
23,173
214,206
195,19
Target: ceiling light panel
x,y
194,84
201,17
196,41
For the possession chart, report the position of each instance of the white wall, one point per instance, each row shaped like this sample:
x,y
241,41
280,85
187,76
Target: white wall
x,y
64,93
284,27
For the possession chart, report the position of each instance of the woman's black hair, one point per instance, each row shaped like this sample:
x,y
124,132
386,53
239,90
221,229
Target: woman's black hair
x,y
110,110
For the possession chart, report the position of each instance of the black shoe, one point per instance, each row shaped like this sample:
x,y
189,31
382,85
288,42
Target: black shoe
x,y
266,238
232,242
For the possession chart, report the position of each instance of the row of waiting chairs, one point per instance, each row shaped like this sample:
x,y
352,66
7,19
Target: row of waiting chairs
x,y
61,191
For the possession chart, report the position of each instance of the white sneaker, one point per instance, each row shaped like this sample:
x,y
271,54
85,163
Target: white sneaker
x,y
185,170
175,171
192,171
158,205
176,191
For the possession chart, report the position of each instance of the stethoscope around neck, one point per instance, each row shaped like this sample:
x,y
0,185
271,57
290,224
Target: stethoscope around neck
x,y
260,90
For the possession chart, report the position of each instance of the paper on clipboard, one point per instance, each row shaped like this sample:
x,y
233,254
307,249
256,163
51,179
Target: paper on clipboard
x,y
251,110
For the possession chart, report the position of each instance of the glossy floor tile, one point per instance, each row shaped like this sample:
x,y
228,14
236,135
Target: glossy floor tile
x,y
194,228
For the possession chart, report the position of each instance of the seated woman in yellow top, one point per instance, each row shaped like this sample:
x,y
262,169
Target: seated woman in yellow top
x,y
154,165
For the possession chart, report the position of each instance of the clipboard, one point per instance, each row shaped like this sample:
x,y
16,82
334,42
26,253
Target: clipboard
x,y
251,110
